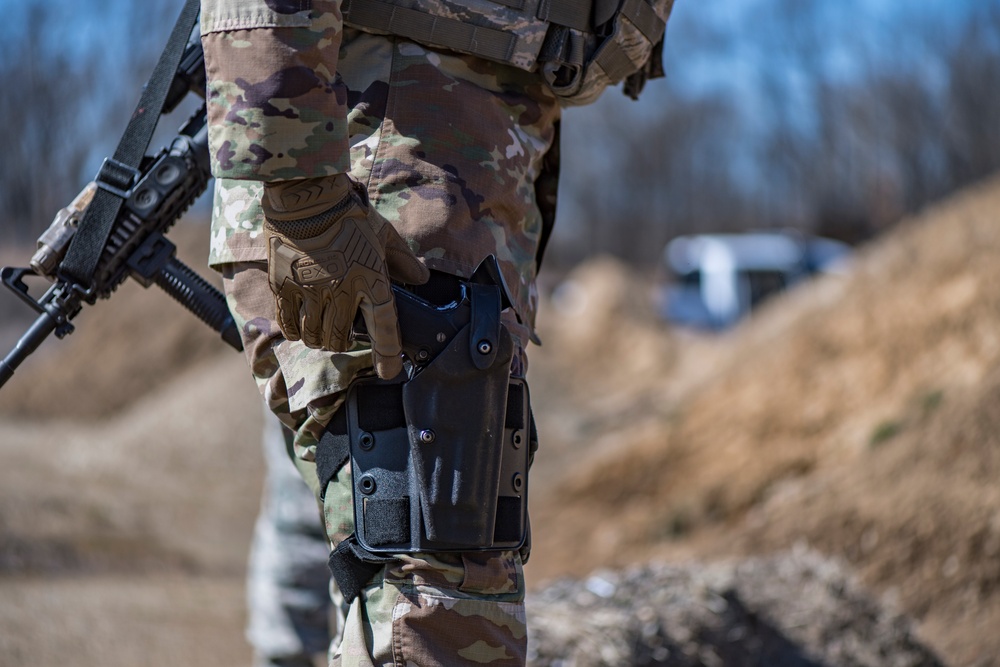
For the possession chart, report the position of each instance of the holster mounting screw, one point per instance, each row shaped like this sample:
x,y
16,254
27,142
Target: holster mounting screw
x,y
518,481
367,484
427,436
484,347
517,439
367,441
422,355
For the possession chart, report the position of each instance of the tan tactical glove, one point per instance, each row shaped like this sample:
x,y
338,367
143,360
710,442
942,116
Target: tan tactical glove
x,y
331,254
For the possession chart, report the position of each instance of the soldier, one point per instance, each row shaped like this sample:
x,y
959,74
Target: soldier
x,y
346,155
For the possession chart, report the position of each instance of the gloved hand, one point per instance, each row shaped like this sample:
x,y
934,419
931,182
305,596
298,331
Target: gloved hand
x,y
331,254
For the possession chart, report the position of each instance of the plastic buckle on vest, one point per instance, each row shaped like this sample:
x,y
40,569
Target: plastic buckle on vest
x,y
117,177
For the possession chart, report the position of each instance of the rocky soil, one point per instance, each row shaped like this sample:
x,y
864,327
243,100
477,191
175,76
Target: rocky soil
x,y
795,609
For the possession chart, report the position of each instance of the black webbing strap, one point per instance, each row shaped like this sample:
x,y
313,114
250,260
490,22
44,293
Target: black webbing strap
x,y
118,173
353,567
333,450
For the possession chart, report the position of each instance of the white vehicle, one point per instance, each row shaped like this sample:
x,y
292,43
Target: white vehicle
x,y
719,278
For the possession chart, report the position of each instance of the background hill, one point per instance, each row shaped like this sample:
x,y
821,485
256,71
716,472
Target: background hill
x,y
855,416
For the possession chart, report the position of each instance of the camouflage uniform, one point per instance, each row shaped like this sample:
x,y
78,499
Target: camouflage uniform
x,y
450,148
288,582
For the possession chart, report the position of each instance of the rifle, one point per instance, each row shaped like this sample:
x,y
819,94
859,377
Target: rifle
x,y
160,191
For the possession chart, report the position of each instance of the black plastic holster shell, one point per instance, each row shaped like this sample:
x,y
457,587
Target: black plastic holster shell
x,y
439,459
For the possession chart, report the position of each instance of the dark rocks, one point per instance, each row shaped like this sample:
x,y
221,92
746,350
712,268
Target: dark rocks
x,y
796,609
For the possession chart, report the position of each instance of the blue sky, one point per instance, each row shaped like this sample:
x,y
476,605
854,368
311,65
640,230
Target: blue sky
x,y
748,36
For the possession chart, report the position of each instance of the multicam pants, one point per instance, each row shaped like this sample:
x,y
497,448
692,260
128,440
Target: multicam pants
x,y
422,609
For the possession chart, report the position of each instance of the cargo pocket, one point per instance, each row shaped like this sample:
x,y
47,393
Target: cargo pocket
x,y
437,627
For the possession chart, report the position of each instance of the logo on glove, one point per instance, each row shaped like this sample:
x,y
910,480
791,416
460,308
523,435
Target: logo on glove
x,y
324,267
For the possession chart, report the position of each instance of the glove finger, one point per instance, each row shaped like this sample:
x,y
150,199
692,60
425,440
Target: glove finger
x,y
336,338
311,325
288,306
403,265
387,367
383,330
312,332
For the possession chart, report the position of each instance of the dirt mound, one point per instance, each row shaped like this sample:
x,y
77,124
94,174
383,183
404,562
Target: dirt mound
x,y
123,542
794,609
121,350
857,414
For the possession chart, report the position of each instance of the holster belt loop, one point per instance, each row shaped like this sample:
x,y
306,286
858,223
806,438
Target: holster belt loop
x,y
484,339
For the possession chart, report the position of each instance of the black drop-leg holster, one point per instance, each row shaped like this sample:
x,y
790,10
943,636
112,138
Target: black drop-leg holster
x,y
439,457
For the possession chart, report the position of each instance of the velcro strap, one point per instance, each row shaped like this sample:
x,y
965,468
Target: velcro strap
x,y
439,30
380,407
387,521
507,527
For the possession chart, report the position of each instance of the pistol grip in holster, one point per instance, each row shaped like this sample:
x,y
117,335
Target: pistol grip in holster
x,y
439,460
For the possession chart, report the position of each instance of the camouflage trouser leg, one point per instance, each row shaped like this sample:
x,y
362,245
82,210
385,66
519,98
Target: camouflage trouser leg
x,y
287,579
423,609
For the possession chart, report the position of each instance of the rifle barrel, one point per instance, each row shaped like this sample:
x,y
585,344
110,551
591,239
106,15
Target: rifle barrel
x,y
44,325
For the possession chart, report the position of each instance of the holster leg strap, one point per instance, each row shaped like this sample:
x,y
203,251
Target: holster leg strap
x,y
353,567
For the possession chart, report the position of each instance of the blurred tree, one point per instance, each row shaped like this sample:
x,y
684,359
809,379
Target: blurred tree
x,y
835,119
41,161
830,117
67,98
971,114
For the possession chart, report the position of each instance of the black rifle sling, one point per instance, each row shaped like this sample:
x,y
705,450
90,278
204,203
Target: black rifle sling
x,y
118,174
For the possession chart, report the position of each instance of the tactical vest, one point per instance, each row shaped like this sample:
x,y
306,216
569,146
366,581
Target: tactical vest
x,y
580,47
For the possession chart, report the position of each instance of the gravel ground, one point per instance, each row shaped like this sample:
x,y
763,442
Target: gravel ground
x,y
793,609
